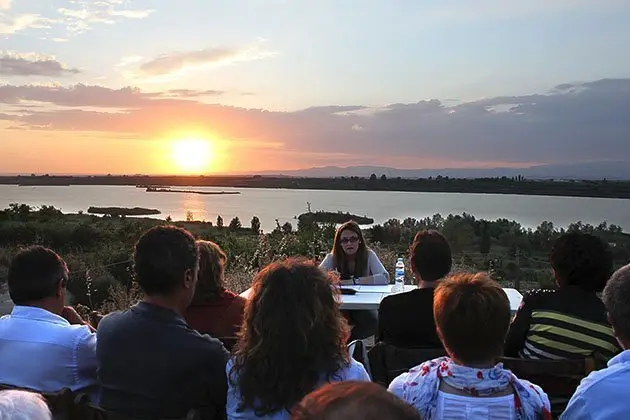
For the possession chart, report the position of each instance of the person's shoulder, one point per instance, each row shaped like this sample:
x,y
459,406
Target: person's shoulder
x,y
600,380
354,371
538,295
206,344
112,319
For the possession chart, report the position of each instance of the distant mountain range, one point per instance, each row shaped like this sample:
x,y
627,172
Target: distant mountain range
x,y
590,171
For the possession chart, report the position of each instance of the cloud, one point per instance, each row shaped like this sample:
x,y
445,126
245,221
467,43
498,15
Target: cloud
x,y
183,61
14,64
5,4
12,24
572,122
81,15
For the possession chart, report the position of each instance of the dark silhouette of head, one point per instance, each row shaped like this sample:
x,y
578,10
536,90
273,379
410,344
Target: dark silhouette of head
x,y
166,261
350,245
472,316
38,277
431,256
293,336
583,260
353,400
616,298
210,282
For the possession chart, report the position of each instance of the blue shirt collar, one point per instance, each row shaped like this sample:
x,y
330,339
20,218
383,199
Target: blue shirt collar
x,y
623,357
34,313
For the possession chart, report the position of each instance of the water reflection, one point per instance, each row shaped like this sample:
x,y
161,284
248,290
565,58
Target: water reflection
x,y
194,207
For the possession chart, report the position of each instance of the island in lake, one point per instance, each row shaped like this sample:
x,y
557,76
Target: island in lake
x,y
123,211
169,190
334,217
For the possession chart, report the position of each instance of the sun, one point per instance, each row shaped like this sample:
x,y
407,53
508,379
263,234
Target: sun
x,y
192,155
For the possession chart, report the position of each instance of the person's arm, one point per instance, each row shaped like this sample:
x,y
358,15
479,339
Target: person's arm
x,y
216,376
377,269
72,316
396,386
86,363
328,264
515,340
576,409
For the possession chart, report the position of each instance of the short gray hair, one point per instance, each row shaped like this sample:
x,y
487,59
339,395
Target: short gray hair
x,y
617,300
22,405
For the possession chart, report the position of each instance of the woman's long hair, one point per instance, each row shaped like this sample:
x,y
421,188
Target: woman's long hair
x,y
211,270
340,258
293,337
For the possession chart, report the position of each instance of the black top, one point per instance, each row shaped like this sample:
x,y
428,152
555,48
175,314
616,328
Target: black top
x,y
406,320
151,363
565,323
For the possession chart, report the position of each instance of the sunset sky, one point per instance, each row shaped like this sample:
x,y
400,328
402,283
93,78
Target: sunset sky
x,y
208,86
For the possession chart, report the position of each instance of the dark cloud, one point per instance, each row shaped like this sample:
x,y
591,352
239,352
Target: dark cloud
x,y
573,122
25,65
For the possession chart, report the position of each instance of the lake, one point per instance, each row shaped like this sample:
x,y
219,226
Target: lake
x,y
284,205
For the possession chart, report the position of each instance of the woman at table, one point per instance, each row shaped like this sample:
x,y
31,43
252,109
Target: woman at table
x,y
215,310
356,263
292,342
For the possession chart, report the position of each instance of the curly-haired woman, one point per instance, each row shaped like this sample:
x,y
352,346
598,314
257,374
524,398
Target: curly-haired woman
x,y
293,340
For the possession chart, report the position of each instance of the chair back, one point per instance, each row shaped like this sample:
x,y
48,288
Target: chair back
x,y
558,378
388,361
91,412
358,351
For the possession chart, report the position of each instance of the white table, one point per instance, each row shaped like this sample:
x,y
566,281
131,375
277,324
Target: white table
x,y
370,297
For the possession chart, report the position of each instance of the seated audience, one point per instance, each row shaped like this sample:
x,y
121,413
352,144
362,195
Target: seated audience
x,y
353,400
569,322
406,319
603,394
151,363
214,309
356,263
44,346
293,340
22,405
472,314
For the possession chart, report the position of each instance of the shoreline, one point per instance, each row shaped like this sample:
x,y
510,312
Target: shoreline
x,y
495,186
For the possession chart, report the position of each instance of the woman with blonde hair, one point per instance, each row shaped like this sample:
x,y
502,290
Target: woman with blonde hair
x,y
215,310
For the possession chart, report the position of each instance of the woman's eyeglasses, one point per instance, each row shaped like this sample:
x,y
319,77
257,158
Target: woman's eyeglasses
x,y
351,240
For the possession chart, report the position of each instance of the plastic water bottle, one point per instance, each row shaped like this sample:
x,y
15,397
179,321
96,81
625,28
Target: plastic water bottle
x,y
399,279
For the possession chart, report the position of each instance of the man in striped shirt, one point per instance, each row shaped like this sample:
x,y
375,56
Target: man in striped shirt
x,y
569,322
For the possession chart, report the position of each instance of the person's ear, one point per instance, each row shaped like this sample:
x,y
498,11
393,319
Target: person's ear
x,y
61,289
189,279
610,321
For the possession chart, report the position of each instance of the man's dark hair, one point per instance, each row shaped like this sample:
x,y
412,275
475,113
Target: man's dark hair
x,y
353,400
161,257
581,259
35,274
431,256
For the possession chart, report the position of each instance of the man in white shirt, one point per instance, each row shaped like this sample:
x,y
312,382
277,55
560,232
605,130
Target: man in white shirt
x,y
40,349
603,395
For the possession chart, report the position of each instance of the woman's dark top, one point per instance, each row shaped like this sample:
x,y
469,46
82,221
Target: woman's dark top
x,y
220,318
406,320
567,323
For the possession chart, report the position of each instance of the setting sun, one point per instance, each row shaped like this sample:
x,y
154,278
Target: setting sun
x,y
193,155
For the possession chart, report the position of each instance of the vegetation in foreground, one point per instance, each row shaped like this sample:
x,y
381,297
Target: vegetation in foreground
x,y
98,249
